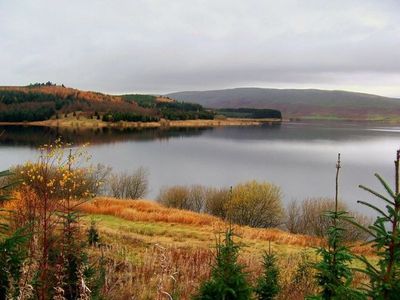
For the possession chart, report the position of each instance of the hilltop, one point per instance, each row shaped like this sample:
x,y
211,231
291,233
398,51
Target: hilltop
x,y
300,103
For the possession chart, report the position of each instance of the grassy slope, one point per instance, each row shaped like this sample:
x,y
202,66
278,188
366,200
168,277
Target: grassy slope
x,y
152,220
141,236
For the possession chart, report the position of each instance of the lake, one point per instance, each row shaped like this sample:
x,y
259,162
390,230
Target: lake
x,y
299,157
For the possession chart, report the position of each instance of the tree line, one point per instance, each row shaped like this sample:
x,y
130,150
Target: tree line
x,y
253,113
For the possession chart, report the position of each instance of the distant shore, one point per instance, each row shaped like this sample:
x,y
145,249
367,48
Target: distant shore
x,y
91,123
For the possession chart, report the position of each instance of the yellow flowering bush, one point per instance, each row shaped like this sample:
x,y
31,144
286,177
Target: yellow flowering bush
x,y
61,172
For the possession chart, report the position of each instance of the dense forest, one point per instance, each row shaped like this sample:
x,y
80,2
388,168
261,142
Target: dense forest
x,y
250,113
171,109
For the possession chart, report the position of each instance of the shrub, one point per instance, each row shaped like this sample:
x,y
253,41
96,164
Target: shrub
x,y
175,196
256,204
129,186
197,195
309,218
252,203
96,179
184,197
294,217
91,179
216,201
228,280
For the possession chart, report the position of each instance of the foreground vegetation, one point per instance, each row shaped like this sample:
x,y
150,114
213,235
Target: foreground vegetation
x,y
58,242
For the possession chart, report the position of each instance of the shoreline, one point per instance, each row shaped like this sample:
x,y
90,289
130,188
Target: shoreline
x,y
84,123
90,123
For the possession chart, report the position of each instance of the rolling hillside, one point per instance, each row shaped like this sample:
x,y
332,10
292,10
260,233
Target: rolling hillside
x,y
300,103
46,101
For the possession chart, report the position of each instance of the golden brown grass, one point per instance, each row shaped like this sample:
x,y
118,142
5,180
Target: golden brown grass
x,y
150,250
139,268
150,211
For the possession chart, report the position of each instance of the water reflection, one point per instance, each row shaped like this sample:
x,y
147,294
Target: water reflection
x,y
35,136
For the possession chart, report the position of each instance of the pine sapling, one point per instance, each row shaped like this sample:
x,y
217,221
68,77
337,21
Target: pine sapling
x,y
93,234
228,280
268,284
334,275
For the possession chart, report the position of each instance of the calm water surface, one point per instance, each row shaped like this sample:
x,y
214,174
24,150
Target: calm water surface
x,y
299,157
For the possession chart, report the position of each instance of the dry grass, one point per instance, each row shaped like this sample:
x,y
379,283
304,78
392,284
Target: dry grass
x,y
152,212
161,270
147,211
146,260
151,251
179,272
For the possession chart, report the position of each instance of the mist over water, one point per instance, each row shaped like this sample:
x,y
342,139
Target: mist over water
x,y
299,157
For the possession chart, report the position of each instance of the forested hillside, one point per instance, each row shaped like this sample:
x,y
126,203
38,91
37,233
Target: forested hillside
x,y
44,101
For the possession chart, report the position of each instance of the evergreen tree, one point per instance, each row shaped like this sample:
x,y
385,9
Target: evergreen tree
x,y
384,276
93,234
228,280
334,275
268,286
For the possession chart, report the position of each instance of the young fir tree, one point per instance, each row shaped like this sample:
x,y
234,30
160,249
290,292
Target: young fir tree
x,y
93,234
334,275
228,280
268,284
384,276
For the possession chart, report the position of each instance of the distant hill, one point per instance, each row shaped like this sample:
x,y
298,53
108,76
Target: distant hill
x,y
302,103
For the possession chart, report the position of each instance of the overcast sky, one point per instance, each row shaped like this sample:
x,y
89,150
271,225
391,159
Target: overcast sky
x,y
161,46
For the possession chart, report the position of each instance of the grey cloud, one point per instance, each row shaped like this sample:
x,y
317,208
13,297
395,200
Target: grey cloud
x,y
161,46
